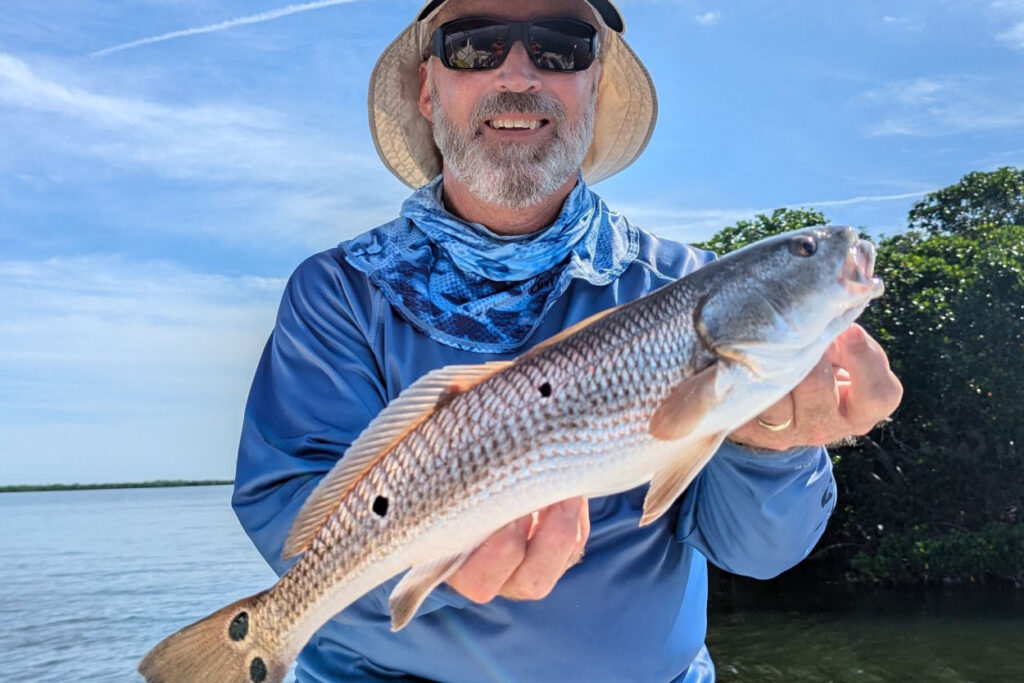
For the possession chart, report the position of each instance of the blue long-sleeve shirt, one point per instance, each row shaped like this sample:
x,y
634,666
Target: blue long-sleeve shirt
x,y
633,610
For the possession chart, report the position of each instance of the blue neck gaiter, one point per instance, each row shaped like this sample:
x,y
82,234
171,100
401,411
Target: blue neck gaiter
x,y
464,286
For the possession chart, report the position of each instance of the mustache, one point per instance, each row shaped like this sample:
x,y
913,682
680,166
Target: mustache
x,y
518,103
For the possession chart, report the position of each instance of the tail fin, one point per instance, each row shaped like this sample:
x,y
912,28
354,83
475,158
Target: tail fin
x,y
235,644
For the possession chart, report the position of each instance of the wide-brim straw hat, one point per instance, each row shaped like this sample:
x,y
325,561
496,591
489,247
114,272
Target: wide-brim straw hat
x,y
626,113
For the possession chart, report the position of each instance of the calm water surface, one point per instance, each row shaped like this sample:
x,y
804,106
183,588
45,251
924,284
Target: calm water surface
x,y
90,580
822,635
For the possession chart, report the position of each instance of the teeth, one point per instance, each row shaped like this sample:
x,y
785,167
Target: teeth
x,y
510,123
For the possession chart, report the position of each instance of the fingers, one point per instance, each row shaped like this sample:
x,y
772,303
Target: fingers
x,y
525,559
551,551
485,572
806,416
755,434
816,402
874,391
584,534
780,413
848,392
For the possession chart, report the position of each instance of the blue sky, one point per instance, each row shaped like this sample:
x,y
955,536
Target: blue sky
x,y
165,164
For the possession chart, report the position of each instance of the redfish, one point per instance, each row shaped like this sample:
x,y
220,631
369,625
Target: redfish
x,y
644,392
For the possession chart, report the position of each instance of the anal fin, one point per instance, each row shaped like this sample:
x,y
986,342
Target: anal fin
x,y
416,585
668,484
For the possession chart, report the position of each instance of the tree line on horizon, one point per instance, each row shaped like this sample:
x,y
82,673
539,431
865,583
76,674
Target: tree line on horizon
x,y
935,495
156,484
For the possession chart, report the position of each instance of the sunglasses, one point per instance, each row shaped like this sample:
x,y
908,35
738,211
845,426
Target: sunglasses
x,y
479,44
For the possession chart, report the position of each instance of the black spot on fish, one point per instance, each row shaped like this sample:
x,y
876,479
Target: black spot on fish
x,y
239,627
545,389
380,506
257,671
826,497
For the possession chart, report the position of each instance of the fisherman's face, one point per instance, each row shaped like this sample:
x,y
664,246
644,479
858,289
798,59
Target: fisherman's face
x,y
471,112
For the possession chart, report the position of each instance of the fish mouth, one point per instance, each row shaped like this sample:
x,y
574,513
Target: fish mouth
x,y
858,271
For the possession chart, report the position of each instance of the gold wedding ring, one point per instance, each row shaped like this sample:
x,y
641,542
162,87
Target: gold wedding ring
x,y
775,427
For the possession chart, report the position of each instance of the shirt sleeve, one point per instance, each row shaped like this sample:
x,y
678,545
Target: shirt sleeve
x,y
758,514
316,388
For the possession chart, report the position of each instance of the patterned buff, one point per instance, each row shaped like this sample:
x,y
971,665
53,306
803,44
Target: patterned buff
x,y
466,287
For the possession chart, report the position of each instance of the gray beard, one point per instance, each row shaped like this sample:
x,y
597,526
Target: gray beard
x,y
513,175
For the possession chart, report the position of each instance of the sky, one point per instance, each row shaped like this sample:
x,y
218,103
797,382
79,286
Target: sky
x,y
165,165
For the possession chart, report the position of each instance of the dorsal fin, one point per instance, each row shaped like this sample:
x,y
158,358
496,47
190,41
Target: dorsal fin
x,y
569,331
409,408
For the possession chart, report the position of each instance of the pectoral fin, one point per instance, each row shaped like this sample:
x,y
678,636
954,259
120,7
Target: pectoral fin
x,y
685,406
416,585
669,483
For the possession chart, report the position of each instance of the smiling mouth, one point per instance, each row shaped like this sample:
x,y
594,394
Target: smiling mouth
x,y
511,124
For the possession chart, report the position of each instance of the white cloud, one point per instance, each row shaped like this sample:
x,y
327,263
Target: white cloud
x,y
223,25
695,225
1008,5
685,225
1013,37
132,362
707,18
209,141
942,106
918,91
152,325
1008,13
278,177
902,22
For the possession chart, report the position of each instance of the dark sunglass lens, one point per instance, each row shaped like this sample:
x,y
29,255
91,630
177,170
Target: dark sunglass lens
x,y
475,44
559,45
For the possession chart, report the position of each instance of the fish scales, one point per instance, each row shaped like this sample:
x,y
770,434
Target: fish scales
x,y
540,447
594,372
575,416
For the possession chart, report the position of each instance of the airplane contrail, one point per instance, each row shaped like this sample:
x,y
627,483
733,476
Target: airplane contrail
x,y
871,198
224,25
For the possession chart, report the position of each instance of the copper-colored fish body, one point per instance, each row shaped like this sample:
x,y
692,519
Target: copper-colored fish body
x,y
643,392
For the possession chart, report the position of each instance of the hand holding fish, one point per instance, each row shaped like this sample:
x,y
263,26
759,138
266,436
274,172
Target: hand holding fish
x,y
526,558
847,393
441,483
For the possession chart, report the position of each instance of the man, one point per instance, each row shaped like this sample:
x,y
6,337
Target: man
x,y
505,103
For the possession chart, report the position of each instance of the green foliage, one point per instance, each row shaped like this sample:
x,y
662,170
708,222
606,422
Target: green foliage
x,y
746,232
952,322
978,200
994,553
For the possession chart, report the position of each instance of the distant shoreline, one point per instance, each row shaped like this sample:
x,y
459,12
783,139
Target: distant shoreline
x,y
129,485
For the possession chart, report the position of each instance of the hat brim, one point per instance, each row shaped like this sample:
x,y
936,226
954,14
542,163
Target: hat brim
x,y
627,109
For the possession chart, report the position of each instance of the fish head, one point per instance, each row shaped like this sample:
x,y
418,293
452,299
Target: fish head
x,y
775,305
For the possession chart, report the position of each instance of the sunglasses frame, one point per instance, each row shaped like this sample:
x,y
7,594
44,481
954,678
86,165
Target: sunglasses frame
x,y
518,31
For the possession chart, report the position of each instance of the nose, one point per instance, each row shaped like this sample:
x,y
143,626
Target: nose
x,y
517,73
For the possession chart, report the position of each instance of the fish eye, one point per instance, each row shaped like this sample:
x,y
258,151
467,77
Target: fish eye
x,y
803,246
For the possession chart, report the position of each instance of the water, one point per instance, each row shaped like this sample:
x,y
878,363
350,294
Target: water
x,y
827,635
90,580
